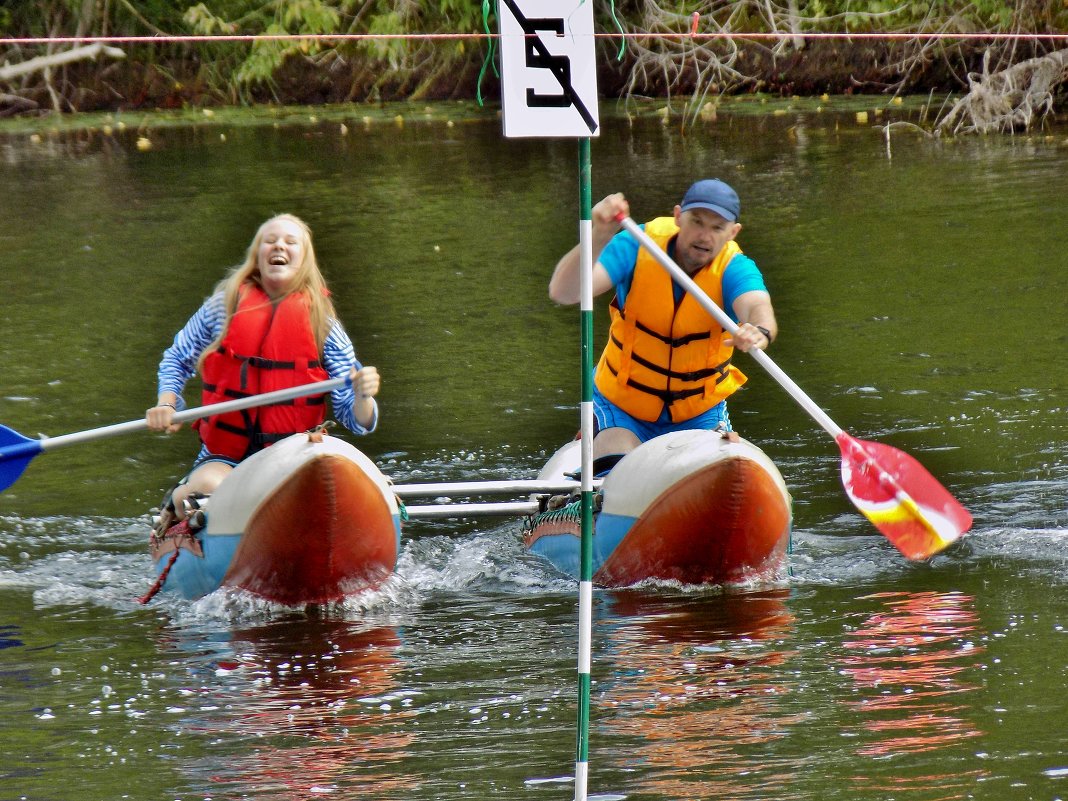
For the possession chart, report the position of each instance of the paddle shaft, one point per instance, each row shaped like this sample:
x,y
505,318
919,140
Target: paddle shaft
x,y
918,532
502,487
503,509
267,398
731,327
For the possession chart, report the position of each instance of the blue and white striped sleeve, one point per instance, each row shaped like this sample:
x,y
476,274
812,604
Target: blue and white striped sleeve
x,y
338,359
179,362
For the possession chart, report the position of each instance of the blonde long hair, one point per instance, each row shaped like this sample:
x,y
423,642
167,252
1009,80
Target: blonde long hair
x,y
309,280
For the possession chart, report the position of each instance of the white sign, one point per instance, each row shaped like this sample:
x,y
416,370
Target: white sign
x,y
548,68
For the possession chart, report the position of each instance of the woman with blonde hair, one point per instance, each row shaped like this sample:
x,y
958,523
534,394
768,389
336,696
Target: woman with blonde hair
x,y
268,325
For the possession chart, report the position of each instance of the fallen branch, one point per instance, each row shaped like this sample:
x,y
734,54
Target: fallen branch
x,y
92,51
1010,99
10,105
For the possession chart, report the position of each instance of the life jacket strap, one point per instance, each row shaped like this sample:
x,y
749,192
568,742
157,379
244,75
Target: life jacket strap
x,y
315,400
260,363
229,393
222,425
675,342
272,364
693,375
669,396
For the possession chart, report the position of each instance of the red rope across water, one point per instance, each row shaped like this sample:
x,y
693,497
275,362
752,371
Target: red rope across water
x,y
692,33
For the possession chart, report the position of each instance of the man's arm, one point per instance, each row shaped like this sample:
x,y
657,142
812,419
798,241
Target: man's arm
x,y
754,311
565,285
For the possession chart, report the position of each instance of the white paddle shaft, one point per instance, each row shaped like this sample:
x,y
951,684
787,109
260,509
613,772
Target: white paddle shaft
x,y
267,398
502,487
504,509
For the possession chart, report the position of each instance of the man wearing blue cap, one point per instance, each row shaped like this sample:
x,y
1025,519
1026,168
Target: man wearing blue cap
x,y
667,364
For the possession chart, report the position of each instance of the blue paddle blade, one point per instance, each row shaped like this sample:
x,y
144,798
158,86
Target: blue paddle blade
x,y
16,451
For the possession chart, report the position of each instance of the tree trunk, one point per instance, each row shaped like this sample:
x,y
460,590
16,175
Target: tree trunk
x,y
66,57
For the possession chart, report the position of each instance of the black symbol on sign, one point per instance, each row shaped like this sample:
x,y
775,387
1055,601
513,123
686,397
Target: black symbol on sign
x,y
539,57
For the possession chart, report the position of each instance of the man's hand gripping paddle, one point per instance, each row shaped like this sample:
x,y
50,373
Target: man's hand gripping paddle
x,y
894,491
16,451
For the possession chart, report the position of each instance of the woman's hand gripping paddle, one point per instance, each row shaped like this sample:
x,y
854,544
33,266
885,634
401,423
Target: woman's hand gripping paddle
x,y
894,491
16,451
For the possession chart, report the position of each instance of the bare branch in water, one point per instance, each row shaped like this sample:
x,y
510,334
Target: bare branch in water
x,y
1010,99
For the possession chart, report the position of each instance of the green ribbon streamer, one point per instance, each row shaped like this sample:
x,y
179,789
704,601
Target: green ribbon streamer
x,y
615,19
488,60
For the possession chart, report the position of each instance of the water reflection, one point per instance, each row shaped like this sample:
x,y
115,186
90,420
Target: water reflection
x,y
909,663
696,698
303,707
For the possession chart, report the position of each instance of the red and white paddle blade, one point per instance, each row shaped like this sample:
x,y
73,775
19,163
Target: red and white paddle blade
x,y
901,499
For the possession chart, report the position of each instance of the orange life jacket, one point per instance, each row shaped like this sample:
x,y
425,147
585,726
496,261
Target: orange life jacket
x,y
659,353
267,346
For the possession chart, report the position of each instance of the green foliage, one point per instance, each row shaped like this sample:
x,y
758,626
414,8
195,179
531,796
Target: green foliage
x,y
278,18
407,66
202,21
463,16
310,16
260,63
995,16
389,50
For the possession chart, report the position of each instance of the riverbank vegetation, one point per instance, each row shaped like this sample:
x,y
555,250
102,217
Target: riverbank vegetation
x,y
997,62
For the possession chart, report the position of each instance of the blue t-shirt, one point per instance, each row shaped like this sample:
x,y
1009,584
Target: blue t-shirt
x,y
621,254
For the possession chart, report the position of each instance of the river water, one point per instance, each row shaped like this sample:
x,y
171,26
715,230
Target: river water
x,y
919,286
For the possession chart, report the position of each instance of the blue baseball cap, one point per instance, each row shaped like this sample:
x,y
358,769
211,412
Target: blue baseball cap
x,y
714,195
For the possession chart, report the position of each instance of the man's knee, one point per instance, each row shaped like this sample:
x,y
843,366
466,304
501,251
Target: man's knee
x,y
614,440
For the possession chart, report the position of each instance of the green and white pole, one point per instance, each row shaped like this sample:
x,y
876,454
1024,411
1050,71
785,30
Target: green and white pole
x,y
549,88
586,419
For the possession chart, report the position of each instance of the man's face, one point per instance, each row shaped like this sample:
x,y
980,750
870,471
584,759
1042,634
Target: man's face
x,y
702,235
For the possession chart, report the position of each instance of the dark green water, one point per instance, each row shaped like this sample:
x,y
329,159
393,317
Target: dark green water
x,y
920,296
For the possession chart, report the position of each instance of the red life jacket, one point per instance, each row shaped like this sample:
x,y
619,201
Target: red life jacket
x,y
267,346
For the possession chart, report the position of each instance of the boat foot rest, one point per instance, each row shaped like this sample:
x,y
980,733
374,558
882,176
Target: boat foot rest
x,y
602,466
193,511
557,501
164,516
194,502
